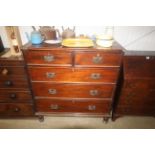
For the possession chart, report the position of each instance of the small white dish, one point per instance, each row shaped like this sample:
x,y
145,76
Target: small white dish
x,y
52,41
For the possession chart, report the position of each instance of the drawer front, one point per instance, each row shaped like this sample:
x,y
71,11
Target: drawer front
x,y
13,82
49,58
139,66
79,106
73,90
127,110
15,96
11,63
16,110
98,59
73,75
12,71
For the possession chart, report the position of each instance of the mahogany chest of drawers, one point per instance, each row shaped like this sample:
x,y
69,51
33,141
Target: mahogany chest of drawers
x,y
15,95
73,81
138,92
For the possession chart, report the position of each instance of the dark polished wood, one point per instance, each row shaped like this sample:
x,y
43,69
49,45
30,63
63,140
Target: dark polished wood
x,y
138,92
15,94
73,80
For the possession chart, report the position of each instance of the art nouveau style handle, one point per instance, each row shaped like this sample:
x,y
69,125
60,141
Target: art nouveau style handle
x,y
93,92
52,91
97,59
54,107
95,76
48,58
91,107
50,75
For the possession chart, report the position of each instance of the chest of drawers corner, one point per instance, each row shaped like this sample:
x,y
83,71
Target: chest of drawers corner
x,y
15,95
73,81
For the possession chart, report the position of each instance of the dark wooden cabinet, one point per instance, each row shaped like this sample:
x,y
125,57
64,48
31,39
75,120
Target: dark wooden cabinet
x,y
15,95
137,96
73,81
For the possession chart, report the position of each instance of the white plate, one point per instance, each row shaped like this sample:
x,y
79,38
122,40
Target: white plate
x,y
52,41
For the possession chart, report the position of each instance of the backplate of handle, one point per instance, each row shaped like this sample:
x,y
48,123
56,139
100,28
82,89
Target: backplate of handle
x,y
54,107
13,96
52,91
91,107
50,75
48,58
97,59
95,76
93,92
8,83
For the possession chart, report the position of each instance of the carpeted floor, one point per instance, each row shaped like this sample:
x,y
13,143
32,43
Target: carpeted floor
x,y
79,123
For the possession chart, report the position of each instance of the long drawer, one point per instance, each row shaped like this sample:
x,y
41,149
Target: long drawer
x,y
13,82
107,75
98,59
54,58
12,71
45,89
20,109
78,106
15,96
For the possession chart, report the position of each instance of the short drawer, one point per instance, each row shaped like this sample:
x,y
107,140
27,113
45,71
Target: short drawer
x,y
49,58
16,110
13,82
76,106
139,67
12,71
45,89
15,96
73,75
98,59
12,63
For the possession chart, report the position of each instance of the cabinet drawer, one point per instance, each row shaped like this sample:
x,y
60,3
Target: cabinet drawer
x,y
13,82
14,96
16,110
78,106
73,75
11,63
42,89
53,58
139,67
98,59
12,71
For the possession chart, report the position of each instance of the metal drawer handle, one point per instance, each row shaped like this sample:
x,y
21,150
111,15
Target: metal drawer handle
x,y
52,91
48,58
54,107
97,59
95,76
50,75
93,92
5,71
8,83
91,107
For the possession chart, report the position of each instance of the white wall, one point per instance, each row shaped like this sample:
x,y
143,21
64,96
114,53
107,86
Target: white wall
x,y
131,37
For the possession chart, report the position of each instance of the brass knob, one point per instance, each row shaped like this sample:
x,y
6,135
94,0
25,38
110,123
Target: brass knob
x,y
8,83
93,92
91,107
5,71
54,107
52,91
13,96
48,58
50,75
16,109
